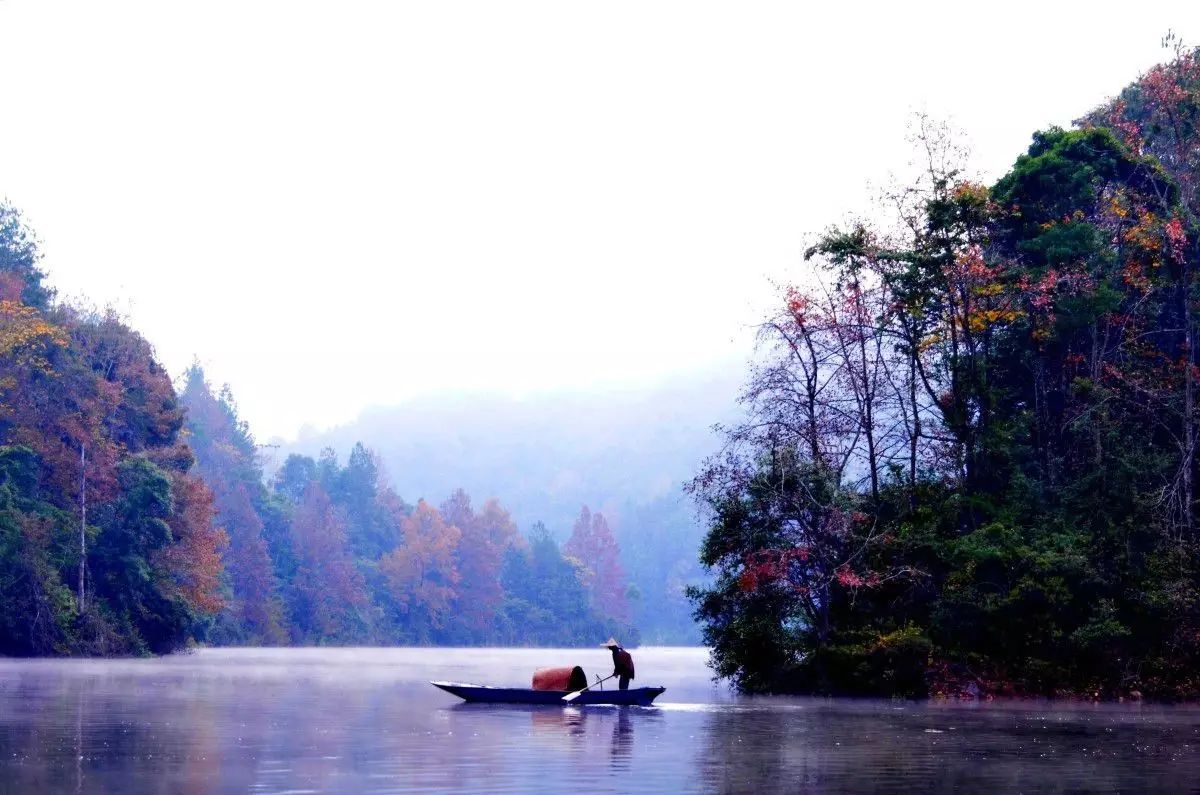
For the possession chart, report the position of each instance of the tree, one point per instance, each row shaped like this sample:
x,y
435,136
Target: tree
x,y
480,552
132,531
227,458
420,572
1158,117
38,610
546,601
359,484
294,477
330,592
255,605
195,562
21,280
593,545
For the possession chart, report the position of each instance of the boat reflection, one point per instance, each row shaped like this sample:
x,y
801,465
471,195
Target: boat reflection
x,y
559,719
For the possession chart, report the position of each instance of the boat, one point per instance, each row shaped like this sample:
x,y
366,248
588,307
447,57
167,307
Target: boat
x,y
484,694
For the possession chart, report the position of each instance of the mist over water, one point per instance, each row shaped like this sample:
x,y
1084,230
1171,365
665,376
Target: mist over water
x,y
366,720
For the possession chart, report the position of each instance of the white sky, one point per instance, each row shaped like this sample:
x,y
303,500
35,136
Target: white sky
x,y
337,205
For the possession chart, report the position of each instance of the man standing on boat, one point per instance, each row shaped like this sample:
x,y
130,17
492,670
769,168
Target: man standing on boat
x,y
622,663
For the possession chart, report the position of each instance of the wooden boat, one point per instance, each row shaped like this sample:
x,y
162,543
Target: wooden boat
x,y
483,694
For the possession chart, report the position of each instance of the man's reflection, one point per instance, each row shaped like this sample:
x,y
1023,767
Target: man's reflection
x,y
622,738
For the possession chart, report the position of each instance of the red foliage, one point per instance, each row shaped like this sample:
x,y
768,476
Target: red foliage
x,y
11,286
193,562
1176,239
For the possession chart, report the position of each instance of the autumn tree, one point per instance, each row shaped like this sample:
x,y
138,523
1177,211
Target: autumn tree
x,y
256,605
227,458
194,562
593,545
330,592
479,556
136,520
421,573
1158,117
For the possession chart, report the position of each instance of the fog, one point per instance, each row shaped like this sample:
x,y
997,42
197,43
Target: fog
x,y
545,456
335,206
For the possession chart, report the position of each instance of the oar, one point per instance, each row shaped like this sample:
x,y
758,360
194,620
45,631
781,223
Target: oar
x,y
572,696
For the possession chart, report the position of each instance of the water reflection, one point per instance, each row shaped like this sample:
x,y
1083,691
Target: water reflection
x,y
367,721
622,738
556,720
568,728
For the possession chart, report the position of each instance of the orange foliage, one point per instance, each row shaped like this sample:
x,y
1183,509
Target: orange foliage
x,y
480,555
420,573
26,339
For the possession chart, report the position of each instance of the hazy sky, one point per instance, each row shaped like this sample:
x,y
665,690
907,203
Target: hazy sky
x,y
342,204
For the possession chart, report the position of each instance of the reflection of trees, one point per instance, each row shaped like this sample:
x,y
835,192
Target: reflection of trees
x,y
82,734
830,745
743,752
79,732
847,746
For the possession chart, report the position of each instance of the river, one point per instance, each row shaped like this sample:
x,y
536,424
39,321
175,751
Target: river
x,y
366,720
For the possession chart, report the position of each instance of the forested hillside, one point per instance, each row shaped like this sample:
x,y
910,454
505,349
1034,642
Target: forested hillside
x,y
326,552
106,538
970,462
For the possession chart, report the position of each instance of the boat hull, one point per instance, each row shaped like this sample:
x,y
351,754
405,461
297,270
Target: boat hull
x,y
482,694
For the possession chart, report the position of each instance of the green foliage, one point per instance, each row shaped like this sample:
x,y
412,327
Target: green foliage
x,y
545,599
20,277
39,611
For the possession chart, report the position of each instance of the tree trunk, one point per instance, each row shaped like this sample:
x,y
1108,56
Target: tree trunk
x,y
916,427
1189,423
82,522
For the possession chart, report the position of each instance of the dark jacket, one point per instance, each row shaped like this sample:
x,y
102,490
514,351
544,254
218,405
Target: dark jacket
x,y
622,663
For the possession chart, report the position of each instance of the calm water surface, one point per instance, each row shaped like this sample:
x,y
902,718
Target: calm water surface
x,y
366,720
